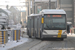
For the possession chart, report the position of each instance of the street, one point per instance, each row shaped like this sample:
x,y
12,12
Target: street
x,y
48,44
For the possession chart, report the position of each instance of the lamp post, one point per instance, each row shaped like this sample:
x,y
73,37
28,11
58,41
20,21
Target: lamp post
x,y
58,5
27,6
49,4
34,6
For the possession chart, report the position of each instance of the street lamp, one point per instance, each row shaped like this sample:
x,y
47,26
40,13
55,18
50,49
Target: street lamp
x,y
34,6
49,4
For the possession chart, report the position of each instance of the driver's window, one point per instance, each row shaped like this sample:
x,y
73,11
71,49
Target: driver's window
x,y
44,25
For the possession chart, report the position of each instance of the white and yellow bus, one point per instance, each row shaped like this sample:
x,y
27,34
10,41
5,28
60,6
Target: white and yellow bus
x,y
49,23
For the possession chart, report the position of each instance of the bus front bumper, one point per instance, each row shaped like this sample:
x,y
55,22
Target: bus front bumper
x,y
54,36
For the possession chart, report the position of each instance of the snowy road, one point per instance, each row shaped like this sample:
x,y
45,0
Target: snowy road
x,y
35,44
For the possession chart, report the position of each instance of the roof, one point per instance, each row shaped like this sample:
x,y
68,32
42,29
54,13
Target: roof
x,y
7,12
53,11
69,22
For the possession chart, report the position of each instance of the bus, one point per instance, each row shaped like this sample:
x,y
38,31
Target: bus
x,y
49,23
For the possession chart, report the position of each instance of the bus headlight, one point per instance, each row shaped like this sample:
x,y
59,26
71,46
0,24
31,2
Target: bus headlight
x,y
65,32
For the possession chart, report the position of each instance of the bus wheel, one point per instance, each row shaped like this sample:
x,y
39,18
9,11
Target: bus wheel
x,y
41,39
41,36
29,36
35,35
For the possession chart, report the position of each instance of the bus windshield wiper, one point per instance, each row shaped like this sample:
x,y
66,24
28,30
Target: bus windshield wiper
x,y
47,26
58,27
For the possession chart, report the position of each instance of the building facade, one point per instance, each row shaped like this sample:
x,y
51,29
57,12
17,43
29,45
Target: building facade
x,y
35,6
69,7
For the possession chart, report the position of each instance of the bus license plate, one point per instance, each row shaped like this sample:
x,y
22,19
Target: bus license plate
x,y
54,36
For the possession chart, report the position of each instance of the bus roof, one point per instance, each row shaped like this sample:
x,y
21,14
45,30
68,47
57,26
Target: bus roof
x,y
52,11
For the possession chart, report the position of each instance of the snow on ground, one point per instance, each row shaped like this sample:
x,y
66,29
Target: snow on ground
x,y
12,44
71,34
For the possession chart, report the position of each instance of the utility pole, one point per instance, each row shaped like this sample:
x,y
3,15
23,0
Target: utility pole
x,y
28,8
7,7
58,6
34,6
49,4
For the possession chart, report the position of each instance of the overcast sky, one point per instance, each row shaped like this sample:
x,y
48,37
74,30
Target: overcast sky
x,y
12,2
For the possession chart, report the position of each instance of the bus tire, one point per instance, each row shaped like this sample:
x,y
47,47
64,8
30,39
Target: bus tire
x,y
29,36
35,35
40,36
41,39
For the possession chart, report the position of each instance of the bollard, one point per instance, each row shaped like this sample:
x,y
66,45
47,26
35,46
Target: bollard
x,y
16,34
3,37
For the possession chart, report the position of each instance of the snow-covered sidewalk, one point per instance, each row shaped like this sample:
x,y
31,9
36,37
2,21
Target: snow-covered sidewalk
x,y
12,44
71,34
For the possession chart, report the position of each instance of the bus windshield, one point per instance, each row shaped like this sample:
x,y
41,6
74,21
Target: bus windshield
x,y
54,22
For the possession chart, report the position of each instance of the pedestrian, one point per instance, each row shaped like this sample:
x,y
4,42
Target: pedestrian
x,y
3,27
68,28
